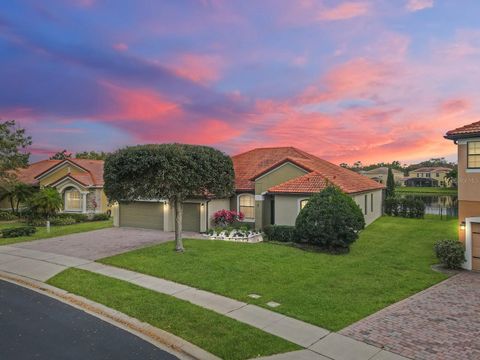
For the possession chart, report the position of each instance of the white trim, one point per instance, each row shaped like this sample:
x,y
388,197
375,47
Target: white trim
x,y
278,167
259,197
472,171
74,184
82,196
59,166
238,205
298,203
465,141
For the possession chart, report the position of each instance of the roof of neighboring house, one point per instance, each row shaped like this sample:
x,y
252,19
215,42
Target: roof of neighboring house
x,y
464,131
93,175
381,170
432,169
257,162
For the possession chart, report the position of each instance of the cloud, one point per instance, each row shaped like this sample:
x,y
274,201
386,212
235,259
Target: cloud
x,y
199,68
120,46
344,11
417,5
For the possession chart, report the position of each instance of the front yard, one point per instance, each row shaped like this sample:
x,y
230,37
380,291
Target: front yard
x,y
54,230
389,262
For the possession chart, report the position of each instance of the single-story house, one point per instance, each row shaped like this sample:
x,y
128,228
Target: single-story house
x,y
380,174
271,187
79,181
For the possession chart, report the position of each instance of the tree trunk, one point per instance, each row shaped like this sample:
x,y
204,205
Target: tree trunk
x,y
178,204
12,204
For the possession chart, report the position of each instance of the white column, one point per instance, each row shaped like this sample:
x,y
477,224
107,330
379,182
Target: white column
x,y
84,202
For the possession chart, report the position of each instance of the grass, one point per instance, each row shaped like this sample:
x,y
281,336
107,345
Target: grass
x,y
389,262
54,230
218,334
427,190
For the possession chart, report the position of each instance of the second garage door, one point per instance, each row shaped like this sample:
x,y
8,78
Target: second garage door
x,y
191,217
148,215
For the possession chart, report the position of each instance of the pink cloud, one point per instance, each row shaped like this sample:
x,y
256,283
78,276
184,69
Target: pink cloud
x,y
199,68
417,5
120,46
344,11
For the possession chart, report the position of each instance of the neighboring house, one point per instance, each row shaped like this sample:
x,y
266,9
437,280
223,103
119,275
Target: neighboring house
x,y
79,181
468,140
380,174
429,177
271,186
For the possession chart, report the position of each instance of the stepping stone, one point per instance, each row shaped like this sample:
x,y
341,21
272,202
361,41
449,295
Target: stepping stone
x,y
254,296
273,304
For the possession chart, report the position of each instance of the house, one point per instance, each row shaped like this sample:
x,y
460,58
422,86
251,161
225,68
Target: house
x,y
467,139
429,177
79,181
271,187
380,174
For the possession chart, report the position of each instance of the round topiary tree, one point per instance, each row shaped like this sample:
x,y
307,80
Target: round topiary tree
x,y
168,171
331,220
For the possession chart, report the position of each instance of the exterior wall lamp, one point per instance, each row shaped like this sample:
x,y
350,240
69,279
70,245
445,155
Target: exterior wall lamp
x,y
462,225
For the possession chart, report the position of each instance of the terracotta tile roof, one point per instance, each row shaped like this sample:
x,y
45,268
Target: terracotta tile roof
x,y
93,175
256,162
464,131
310,183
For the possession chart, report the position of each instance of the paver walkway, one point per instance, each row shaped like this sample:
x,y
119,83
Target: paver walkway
x,y
442,322
319,343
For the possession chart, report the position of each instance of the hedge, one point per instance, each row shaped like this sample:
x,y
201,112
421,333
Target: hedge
x,y
280,233
18,231
405,207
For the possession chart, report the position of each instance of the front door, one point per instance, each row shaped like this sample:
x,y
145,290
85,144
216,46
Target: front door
x,y
476,246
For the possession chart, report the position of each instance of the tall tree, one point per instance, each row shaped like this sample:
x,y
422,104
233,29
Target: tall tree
x,y
452,177
91,155
46,203
61,155
17,193
13,149
390,184
168,171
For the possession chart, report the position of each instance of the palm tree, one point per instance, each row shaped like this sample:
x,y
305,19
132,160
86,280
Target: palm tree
x,y
17,193
45,203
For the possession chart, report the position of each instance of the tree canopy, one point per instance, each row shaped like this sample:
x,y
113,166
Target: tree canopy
x,y
13,145
61,155
390,184
173,172
91,155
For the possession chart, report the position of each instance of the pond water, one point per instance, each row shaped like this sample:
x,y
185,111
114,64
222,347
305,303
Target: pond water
x,y
437,204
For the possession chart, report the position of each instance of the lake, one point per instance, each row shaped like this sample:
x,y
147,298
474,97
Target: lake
x,y
437,204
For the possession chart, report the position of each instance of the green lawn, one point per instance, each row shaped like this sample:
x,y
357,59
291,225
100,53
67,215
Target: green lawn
x,y
218,334
389,262
54,230
427,190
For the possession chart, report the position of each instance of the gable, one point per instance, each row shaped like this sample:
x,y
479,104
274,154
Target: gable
x,y
279,175
59,172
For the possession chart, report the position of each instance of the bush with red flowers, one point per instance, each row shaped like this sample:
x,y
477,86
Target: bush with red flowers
x,y
226,217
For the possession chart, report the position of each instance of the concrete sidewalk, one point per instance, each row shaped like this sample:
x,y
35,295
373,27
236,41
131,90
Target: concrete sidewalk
x,y
319,343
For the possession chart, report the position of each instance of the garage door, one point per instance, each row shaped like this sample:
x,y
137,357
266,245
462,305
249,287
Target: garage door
x,y
191,217
146,215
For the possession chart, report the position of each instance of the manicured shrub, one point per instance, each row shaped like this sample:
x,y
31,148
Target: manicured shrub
x,y
330,220
226,217
280,233
62,220
36,222
101,217
6,215
18,231
79,218
450,253
405,207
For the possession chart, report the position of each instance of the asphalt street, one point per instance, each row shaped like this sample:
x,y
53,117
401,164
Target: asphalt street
x,y
35,326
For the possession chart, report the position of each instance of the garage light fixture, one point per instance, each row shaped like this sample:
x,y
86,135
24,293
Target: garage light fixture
x,y
462,225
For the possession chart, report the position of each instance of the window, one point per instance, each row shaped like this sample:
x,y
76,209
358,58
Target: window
x,y
427,175
73,200
366,204
371,202
246,205
437,174
418,175
303,203
473,154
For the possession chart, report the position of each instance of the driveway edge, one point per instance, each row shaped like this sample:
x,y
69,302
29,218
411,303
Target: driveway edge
x,y
160,338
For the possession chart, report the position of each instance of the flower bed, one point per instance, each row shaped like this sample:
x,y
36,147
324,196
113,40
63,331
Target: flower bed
x,y
238,235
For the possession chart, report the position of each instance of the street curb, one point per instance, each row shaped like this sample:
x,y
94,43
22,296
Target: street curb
x,y
181,348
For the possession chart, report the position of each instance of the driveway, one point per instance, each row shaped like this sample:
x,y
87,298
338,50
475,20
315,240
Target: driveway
x,y
442,322
35,326
98,244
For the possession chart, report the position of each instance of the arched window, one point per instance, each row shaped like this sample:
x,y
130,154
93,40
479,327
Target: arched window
x,y
246,205
73,200
303,203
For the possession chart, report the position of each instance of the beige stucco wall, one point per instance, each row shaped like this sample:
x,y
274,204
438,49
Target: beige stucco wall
x,y
468,182
59,173
5,204
287,207
216,205
397,176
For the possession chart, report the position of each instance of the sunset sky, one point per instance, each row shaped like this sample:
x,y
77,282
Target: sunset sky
x,y
369,80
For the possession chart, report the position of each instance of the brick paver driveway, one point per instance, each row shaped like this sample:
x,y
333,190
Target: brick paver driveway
x,y
442,322
97,244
